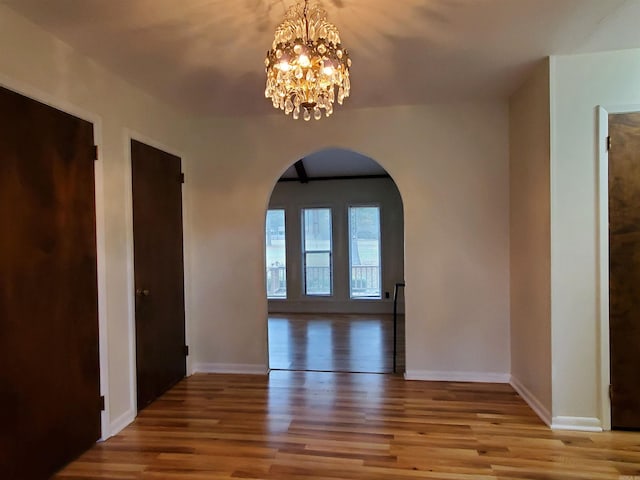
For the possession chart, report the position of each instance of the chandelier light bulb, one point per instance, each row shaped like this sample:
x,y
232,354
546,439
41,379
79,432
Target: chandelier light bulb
x,y
307,66
304,61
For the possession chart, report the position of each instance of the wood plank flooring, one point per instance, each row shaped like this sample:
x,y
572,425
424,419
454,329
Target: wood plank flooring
x,y
329,426
334,343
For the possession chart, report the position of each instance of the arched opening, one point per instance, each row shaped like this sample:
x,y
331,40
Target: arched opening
x,y
334,251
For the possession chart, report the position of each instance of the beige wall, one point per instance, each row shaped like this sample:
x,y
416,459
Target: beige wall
x,y
578,85
451,166
36,64
339,195
529,140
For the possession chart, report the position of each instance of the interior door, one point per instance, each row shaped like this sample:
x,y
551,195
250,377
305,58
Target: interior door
x,y
159,271
624,268
49,360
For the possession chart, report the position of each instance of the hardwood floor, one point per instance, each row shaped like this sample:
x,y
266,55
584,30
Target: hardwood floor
x,y
335,343
316,425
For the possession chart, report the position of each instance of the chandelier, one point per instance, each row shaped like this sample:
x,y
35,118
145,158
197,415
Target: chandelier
x,y
307,67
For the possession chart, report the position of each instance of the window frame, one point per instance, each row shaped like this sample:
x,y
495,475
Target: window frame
x,y
286,275
304,251
380,248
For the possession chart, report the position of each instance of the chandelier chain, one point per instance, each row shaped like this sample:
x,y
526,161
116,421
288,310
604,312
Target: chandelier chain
x,y
306,19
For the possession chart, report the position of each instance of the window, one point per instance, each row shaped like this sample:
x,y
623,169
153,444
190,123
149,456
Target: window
x,y
364,252
276,254
317,249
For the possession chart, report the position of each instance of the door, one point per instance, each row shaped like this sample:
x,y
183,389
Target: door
x,y
159,271
49,360
624,269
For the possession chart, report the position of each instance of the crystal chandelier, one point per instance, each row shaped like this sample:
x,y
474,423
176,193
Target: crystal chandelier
x,y
307,67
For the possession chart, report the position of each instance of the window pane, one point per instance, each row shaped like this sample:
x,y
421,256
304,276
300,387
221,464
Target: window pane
x,y
317,248
276,254
364,252
317,229
318,273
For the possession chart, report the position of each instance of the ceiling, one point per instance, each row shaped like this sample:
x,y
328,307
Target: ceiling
x,y
206,56
335,162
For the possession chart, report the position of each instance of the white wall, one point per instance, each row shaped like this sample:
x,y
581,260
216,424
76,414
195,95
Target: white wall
x,y
35,63
530,225
579,84
339,195
451,166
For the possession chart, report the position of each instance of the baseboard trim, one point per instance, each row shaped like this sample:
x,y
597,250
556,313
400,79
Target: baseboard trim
x,y
580,424
121,423
475,377
231,368
531,400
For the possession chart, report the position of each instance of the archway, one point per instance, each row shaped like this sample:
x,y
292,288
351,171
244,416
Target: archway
x,y
334,250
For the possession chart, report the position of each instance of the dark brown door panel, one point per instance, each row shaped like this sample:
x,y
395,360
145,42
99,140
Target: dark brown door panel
x,y
49,362
159,270
624,269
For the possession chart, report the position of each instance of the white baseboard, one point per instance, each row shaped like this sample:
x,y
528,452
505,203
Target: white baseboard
x,y
234,368
532,400
120,423
581,424
348,307
476,377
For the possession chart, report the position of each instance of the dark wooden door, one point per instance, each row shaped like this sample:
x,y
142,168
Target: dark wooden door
x,y
624,269
159,272
49,360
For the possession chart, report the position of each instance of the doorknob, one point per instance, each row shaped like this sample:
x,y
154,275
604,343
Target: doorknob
x,y
142,292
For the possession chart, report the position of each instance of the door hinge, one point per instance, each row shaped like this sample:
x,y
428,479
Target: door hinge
x,y
182,178
186,350
94,152
102,407
610,392
608,143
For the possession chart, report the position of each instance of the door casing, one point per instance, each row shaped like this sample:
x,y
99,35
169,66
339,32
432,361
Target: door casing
x,y
603,113
129,136
100,202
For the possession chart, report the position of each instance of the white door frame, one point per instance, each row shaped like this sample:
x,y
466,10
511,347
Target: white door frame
x,y
129,135
603,250
101,251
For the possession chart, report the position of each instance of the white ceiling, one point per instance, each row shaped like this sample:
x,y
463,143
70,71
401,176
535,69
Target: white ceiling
x,y
206,56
